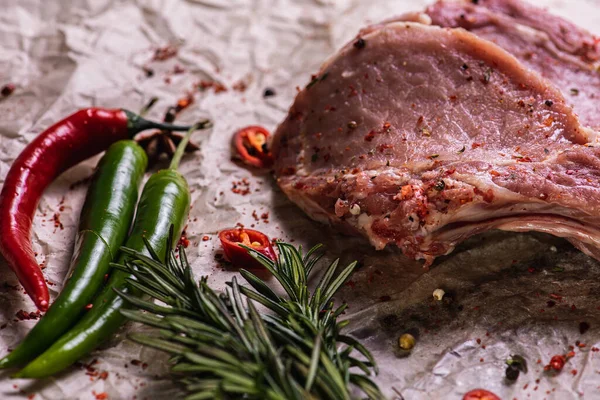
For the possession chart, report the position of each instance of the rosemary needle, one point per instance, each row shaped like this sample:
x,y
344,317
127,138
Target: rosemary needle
x,y
224,348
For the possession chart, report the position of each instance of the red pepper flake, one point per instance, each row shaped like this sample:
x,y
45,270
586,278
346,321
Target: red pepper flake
x,y
573,308
385,298
353,92
522,159
89,306
164,53
240,86
476,145
184,102
555,297
574,372
382,147
488,195
57,223
23,315
7,89
478,341
216,86
100,396
183,241
178,69
103,375
370,136
205,238
241,187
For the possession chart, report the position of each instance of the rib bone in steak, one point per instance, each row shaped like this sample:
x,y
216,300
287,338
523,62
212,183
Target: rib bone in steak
x,y
422,136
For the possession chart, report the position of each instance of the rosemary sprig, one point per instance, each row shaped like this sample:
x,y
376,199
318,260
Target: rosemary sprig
x,y
223,347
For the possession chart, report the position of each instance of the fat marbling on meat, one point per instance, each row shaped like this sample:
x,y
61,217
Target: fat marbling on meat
x,y
421,137
559,50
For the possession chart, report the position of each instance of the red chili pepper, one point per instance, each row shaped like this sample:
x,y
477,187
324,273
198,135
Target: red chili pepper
x,y
239,256
480,394
251,145
58,148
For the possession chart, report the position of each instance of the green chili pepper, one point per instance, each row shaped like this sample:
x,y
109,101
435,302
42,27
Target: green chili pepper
x,y
114,191
165,202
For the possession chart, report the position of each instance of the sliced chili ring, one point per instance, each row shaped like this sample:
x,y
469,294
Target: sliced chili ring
x,y
252,147
232,239
480,394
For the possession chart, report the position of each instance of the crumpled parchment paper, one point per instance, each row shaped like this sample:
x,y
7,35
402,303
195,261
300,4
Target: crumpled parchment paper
x,y
65,55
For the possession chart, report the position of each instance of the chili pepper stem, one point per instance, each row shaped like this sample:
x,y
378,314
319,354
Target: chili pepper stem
x,y
148,106
181,147
135,124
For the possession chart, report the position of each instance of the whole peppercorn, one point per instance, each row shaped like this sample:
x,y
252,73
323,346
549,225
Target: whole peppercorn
x,y
269,92
406,341
439,185
438,294
512,372
360,43
8,89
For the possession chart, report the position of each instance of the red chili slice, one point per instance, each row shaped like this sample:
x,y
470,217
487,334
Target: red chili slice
x,y
480,394
251,146
239,256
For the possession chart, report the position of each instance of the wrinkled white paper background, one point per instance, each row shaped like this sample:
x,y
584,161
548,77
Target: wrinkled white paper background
x,y
66,55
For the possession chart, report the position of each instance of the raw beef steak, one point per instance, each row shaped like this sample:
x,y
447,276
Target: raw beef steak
x,y
422,136
559,50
